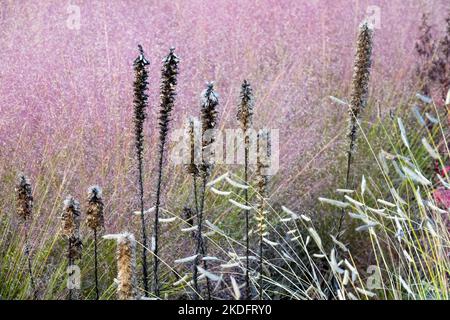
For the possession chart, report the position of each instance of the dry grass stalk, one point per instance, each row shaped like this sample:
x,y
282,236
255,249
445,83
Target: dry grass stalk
x,y
245,117
95,221
168,85
140,114
24,208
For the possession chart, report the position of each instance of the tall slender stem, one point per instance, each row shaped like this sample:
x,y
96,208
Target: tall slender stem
x,y
143,231
97,295
247,212
156,222
70,263
260,266
28,255
201,250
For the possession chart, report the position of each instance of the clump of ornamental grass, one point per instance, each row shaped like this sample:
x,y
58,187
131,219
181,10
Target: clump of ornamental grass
x,y
95,221
71,217
245,117
126,265
262,179
210,102
140,114
24,209
169,74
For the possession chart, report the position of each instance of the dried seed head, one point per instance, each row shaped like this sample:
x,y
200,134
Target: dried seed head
x,y
94,212
360,81
71,217
245,108
140,101
126,267
75,248
169,74
192,133
24,197
71,226
210,101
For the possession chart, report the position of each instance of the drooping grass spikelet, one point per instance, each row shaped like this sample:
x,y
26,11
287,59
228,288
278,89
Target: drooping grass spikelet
x,y
262,179
209,104
24,208
244,116
95,221
140,114
360,80
169,74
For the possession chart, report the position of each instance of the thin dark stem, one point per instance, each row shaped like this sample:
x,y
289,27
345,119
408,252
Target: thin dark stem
x,y
247,240
156,222
97,295
201,250
347,185
144,233
70,263
261,266
341,218
30,269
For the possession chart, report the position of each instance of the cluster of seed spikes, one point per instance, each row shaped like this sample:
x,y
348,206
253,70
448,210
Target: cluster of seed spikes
x,y
126,249
70,218
360,80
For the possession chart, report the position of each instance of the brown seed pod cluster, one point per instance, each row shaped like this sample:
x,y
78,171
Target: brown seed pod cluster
x,y
24,197
360,80
94,212
71,217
